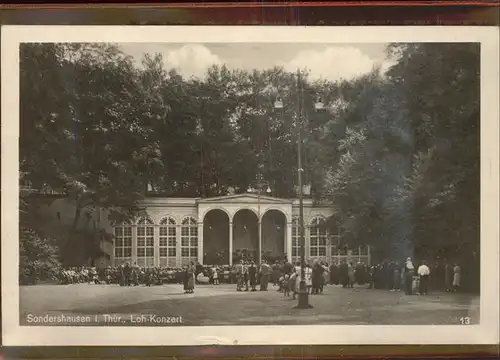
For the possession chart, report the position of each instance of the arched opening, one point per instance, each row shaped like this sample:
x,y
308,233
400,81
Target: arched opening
x,y
216,238
245,236
273,236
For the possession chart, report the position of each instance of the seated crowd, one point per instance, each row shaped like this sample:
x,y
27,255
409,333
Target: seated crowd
x,y
134,275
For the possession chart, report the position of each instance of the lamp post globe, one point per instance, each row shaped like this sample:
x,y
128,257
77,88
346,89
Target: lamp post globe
x,y
319,105
278,104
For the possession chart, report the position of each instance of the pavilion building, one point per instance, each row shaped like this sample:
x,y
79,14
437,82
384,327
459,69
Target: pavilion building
x,y
207,230
218,230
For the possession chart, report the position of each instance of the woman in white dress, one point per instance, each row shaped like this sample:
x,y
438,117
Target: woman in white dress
x,y
215,276
297,272
308,277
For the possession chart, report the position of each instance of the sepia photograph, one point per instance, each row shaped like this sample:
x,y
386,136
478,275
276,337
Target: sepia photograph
x,y
257,183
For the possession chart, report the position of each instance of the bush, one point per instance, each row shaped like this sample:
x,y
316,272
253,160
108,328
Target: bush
x,y
38,257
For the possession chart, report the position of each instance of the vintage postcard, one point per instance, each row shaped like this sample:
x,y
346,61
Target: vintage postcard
x,y
250,185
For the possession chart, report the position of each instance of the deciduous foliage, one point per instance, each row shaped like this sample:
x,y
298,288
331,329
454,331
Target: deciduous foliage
x,y
396,155
441,84
408,177
85,129
38,257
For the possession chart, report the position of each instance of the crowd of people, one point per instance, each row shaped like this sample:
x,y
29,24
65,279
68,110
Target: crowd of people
x,y
394,276
388,275
283,275
125,275
247,276
130,275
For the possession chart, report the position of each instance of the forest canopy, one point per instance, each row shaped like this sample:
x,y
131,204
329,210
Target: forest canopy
x,y
395,154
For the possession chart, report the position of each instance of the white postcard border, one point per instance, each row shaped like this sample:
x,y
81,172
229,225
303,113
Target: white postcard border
x,y
485,333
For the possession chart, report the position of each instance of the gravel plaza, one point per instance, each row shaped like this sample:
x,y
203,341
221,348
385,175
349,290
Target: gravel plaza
x,y
167,305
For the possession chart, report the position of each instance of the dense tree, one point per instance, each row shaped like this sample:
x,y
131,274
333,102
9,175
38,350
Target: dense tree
x,y
374,153
86,129
441,86
395,154
38,257
408,176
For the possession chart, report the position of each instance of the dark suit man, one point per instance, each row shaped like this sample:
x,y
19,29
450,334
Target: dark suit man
x,y
252,274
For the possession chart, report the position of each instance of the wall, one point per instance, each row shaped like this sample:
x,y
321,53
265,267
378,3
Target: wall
x,y
57,213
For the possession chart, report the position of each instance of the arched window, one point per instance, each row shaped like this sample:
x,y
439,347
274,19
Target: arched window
x,y
295,240
145,242
168,235
335,239
318,237
123,243
189,240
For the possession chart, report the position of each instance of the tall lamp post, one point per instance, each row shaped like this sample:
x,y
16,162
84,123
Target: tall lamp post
x,y
303,299
259,187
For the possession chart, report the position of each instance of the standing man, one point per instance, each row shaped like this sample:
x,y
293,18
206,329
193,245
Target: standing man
x,y
239,275
456,277
344,274
350,275
448,276
288,268
135,274
107,275
397,277
126,274
264,276
276,273
334,274
436,282
390,275
317,278
245,275
326,277
252,274
423,272
408,276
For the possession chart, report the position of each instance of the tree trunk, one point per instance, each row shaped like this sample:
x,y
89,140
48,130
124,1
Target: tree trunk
x,y
76,218
68,253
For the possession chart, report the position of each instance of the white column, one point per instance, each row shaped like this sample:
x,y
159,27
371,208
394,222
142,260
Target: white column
x,y
259,253
134,244
157,246
112,256
307,245
329,249
369,255
178,244
200,243
230,243
288,241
